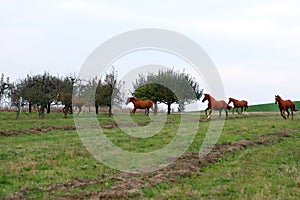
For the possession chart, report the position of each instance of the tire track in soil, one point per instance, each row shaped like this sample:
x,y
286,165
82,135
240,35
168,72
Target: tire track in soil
x,y
127,184
44,129
36,130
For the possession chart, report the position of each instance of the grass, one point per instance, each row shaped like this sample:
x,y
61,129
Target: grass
x,y
254,173
33,165
31,120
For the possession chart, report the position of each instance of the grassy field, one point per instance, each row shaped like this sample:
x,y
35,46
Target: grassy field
x,y
256,157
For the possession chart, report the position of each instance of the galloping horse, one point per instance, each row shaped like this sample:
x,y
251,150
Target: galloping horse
x,y
238,104
140,104
66,99
284,106
215,105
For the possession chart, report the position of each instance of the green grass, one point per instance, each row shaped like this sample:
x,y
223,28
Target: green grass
x,y
31,163
31,120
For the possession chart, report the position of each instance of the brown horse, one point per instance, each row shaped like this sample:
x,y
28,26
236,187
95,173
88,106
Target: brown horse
x,y
284,106
215,105
140,104
66,99
238,104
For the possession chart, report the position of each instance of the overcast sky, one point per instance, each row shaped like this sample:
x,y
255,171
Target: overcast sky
x,y
255,45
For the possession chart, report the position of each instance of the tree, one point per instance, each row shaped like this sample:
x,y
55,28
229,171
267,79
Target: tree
x,y
39,90
168,87
64,94
109,92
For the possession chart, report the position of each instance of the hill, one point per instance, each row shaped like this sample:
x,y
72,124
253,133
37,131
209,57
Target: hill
x,y
269,107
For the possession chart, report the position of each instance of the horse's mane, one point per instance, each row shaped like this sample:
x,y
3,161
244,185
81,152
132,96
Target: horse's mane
x,y
210,97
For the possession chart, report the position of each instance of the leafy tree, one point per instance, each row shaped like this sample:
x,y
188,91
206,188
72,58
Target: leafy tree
x,y
64,93
168,87
109,91
39,90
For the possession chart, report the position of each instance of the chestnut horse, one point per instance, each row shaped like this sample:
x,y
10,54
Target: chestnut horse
x,y
238,104
140,104
66,99
284,106
215,105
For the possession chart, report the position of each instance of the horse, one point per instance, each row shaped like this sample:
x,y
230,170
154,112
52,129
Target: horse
x,y
140,104
213,104
66,99
284,106
238,104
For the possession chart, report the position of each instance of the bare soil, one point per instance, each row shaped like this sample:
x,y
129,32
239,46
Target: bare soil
x,y
36,130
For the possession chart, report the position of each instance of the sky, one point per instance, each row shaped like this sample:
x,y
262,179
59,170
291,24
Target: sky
x,y
255,45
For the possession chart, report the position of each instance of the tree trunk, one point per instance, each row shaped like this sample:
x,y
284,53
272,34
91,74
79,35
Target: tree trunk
x,y
169,108
48,107
71,109
96,107
41,111
109,111
29,107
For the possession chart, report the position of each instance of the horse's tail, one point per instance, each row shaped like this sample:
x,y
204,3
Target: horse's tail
x,y
246,107
154,106
294,107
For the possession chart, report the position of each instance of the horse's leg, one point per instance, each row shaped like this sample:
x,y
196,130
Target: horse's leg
x,y
283,114
233,110
206,111
79,110
220,113
208,116
65,111
242,110
292,112
133,110
287,110
226,112
147,111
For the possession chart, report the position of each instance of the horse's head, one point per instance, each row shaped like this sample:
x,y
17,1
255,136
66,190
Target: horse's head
x,y
230,100
206,97
129,99
277,99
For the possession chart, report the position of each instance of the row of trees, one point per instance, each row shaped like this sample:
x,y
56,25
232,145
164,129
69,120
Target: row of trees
x,y
168,87
42,90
